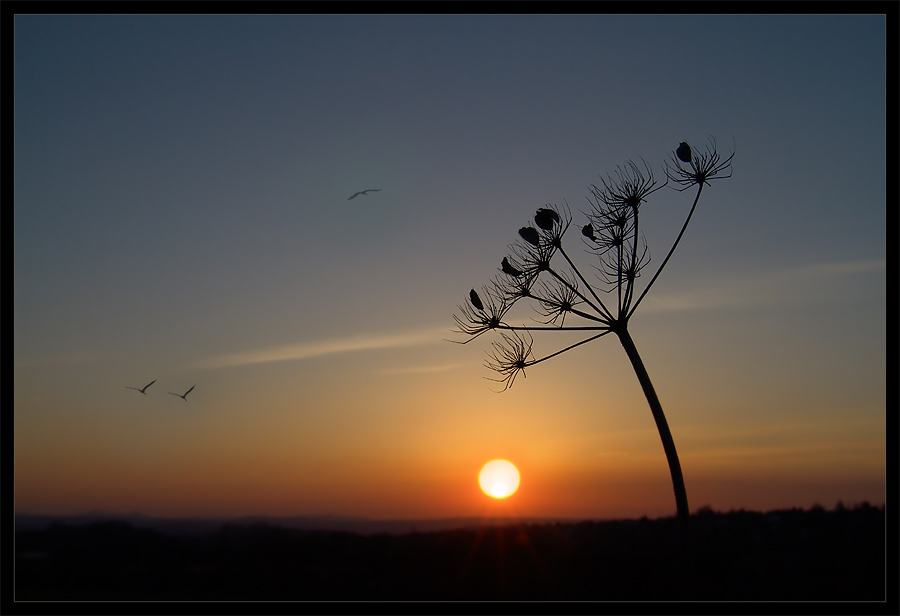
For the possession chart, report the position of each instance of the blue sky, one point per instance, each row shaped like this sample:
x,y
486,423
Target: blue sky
x,y
181,214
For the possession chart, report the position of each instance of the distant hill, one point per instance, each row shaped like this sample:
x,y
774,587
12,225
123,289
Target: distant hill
x,y
786,555
200,526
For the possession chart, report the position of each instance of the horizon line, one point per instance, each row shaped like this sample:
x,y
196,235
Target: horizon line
x,y
845,504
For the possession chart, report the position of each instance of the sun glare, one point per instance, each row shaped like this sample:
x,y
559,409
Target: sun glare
x,y
499,478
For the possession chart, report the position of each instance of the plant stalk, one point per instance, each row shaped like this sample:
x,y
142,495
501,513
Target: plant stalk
x,y
681,502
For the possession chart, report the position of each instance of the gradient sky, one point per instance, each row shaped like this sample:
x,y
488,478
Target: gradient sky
x,y
181,214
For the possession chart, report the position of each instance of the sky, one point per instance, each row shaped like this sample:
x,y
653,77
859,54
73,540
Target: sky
x,y
182,216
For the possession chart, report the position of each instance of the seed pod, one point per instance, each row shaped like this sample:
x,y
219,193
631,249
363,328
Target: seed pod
x,y
588,232
509,269
530,235
476,301
683,152
545,217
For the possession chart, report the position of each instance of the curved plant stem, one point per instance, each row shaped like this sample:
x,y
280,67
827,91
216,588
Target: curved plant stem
x,y
681,502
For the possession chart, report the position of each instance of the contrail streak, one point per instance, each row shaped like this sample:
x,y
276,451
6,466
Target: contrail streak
x,y
309,350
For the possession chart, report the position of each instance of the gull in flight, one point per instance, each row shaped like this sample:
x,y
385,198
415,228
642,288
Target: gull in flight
x,y
184,396
144,390
362,192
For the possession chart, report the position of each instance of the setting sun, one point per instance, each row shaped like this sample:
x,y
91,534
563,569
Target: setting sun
x,y
499,478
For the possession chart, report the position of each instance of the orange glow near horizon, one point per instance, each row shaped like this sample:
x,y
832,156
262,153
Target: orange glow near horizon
x,y
287,459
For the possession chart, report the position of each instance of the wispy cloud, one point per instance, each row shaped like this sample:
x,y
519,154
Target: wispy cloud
x,y
764,288
321,348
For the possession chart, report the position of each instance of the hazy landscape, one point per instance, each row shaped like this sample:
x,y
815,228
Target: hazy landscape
x,y
785,555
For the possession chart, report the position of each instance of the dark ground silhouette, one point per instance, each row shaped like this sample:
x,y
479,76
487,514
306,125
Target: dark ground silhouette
x,y
785,555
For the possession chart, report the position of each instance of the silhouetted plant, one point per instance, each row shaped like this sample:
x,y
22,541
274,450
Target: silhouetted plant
x,y
606,304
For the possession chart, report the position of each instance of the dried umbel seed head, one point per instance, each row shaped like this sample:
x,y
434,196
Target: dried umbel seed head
x,y
702,167
507,268
545,218
530,235
476,301
588,232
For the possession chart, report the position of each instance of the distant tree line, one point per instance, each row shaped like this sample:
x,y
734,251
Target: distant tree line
x,y
784,555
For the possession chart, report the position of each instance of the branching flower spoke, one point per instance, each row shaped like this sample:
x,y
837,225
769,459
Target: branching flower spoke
x,y
559,299
688,168
483,312
510,357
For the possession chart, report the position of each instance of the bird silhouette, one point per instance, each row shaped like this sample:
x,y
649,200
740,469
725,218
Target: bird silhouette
x,y
363,192
184,396
144,390
683,152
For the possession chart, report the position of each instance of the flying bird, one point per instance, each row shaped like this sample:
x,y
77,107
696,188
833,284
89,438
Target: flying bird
x,y
363,192
144,390
184,396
